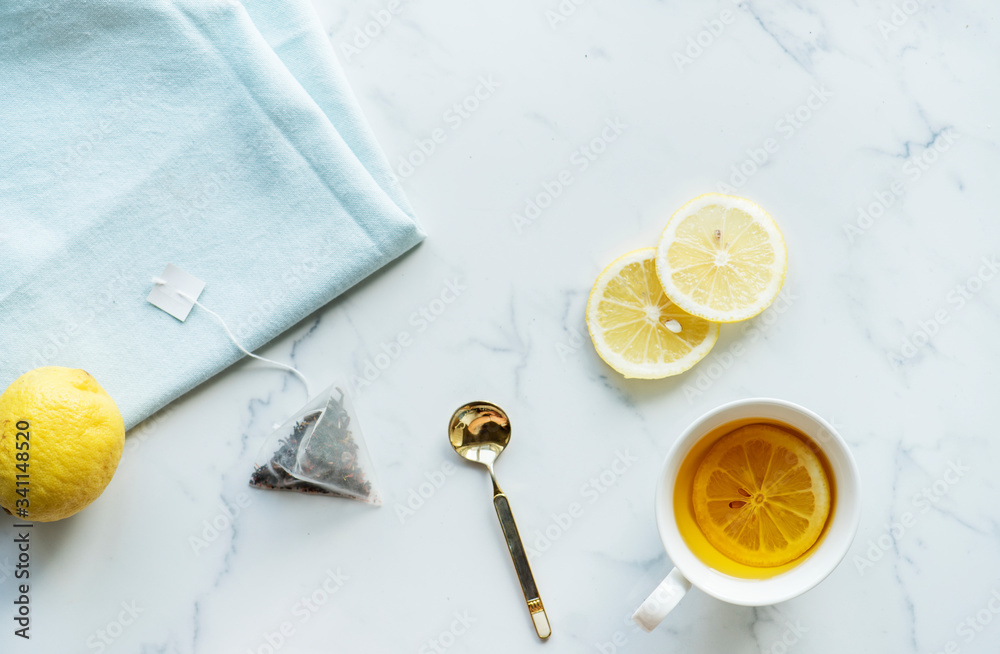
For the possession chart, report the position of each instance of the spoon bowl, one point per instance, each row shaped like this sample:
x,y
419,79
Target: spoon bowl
x,y
479,432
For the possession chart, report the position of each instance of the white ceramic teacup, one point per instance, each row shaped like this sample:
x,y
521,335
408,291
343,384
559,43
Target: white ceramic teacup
x,y
690,571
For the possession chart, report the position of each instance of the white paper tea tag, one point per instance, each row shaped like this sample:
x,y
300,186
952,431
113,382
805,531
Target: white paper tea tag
x,y
177,292
167,296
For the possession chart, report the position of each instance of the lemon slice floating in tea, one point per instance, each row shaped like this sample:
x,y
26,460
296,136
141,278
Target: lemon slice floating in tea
x,y
761,496
636,329
721,258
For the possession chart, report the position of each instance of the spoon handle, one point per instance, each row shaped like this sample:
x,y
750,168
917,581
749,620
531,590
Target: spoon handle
x,y
520,558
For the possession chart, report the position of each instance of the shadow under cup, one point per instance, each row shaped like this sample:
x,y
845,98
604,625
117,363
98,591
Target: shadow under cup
x,y
826,555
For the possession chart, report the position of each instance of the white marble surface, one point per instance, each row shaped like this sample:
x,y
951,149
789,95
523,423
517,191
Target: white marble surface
x,y
912,101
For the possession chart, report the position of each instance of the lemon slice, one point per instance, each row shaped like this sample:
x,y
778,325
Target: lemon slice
x,y
721,258
636,329
761,496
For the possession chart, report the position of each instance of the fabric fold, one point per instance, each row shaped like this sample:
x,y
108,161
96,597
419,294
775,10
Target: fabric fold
x,y
140,134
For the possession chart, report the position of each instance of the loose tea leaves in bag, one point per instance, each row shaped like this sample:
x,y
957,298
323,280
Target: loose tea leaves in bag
x,y
318,450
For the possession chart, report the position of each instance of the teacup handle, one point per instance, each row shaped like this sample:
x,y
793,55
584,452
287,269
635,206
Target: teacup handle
x,y
662,600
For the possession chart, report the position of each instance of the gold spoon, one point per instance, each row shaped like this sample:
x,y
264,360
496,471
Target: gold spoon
x,y
479,431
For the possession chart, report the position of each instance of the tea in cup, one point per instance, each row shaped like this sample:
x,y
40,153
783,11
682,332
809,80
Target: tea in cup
x,y
758,501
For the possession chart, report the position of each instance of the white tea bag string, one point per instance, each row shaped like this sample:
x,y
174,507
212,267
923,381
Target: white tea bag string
x,y
159,281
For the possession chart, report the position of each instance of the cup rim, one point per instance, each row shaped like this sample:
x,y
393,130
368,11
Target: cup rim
x,y
789,584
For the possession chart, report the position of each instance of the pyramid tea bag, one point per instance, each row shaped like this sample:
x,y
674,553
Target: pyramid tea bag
x,y
319,449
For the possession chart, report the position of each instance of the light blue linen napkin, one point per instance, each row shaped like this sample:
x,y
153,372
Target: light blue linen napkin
x,y
294,32
136,134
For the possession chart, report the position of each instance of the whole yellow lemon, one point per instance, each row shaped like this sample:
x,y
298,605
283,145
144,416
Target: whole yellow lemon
x,y
61,438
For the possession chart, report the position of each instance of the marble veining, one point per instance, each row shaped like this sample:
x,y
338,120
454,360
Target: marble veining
x,y
867,130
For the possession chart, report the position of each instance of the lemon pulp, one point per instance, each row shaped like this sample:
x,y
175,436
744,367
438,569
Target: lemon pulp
x,y
722,258
761,496
635,327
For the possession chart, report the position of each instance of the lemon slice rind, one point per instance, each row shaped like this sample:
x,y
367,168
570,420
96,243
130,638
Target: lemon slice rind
x,y
692,341
675,256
